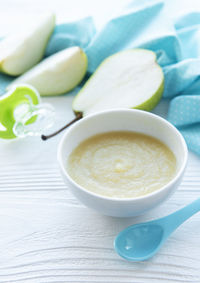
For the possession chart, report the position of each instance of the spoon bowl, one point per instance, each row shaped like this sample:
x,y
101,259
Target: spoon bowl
x,y
139,242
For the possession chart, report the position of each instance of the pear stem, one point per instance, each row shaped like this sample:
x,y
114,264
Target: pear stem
x,y
78,117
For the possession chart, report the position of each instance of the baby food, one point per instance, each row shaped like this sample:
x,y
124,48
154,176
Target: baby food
x,y
121,164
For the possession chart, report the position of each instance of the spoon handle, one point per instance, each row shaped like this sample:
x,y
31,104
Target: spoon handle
x,y
175,219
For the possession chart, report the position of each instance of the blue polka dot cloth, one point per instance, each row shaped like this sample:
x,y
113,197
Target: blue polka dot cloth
x,y
146,24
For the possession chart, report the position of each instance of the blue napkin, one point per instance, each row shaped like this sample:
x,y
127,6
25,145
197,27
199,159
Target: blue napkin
x,y
146,24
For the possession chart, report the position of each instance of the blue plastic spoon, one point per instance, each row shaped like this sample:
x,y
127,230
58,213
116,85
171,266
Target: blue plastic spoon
x,y
141,241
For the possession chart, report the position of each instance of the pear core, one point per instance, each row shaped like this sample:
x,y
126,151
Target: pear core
x,y
121,164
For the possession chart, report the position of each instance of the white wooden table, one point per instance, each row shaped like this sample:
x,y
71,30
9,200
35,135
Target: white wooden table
x,y
46,235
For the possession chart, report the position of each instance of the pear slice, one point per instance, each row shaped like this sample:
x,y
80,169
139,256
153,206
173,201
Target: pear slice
x,y
128,79
58,73
20,52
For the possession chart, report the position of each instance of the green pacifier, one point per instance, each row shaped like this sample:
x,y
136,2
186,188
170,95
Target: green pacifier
x,y
22,114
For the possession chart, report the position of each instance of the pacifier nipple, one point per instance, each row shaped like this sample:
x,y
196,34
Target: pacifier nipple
x,y
32,120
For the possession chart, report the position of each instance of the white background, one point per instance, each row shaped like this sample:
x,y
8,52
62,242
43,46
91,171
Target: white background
x,y
46,235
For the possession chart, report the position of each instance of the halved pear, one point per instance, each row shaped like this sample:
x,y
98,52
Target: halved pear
x,y
58,73
20,52
128,79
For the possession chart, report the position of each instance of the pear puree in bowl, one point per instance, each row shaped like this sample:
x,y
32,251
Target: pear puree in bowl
x,y
121,164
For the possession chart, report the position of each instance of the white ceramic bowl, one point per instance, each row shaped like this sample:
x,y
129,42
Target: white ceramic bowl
x,y
123,120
